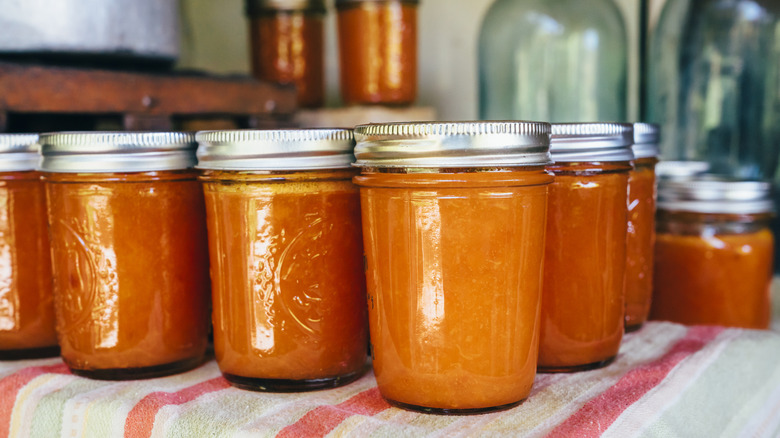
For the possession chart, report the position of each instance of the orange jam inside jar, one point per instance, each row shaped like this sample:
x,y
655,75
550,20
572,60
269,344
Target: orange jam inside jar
x,y
378,51
454,224
583,304
714,253
287,255
129,252
640,245
26,299
288,44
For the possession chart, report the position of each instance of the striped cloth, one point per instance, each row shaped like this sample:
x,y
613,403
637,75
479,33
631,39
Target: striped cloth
x,y
668,380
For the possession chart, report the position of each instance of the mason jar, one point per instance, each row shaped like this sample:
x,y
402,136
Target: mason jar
x,y
129,252
714,253
453,225
287,42
26,298
289,288
583,299
378,51
640,245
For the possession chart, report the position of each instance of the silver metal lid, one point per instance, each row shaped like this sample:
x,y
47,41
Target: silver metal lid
x,y
715,196
19,152
259,7
591,142
284,149
681,170
340,3
647,138
453,144
107,152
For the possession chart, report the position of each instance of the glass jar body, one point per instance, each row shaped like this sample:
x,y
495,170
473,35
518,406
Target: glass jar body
x,y
583,303
640,245
27,325
454,265
130,264
553,60
288,278
288,48
378,51
712,84
713,269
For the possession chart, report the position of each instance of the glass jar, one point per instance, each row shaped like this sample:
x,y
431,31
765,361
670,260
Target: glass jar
x,y
378,51
453,223
712,84
26,299
555,60
129,252
714,253
287,43
287,255
640,245
583,300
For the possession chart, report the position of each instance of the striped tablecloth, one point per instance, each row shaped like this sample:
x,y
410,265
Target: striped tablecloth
x,y
669,380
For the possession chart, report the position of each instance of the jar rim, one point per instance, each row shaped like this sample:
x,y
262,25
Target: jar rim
x,y
19,152
716,196
259,7
601,141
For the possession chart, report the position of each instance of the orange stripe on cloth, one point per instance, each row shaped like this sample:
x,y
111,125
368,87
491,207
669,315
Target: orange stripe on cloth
x,y
599,413
140,420
11,385
323,419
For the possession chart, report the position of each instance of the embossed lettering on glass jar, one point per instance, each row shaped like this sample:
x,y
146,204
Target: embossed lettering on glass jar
x,y
287,257
129,252
378,51
583,305
714,253
26,299
287,44
454,223
640,244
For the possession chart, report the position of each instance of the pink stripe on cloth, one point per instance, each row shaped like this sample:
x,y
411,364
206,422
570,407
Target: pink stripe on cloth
x,y
323,419
140,420
11,385
600,412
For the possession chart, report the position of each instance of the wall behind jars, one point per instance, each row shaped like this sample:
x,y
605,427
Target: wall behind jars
x,y
215,39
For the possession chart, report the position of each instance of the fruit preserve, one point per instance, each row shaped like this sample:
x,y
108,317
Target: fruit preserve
x,y
26,299
583,304
129,252
714,253
287,257
453,223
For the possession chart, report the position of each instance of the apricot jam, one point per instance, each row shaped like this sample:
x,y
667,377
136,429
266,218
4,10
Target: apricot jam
x,y
714,253
378,51
287,257
26,299
288,45
640,245
583,305
453,226
129,252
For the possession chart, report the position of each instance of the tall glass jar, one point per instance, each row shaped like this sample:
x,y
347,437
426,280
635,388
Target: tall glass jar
x,y
713,84
714,253
26,298
129,252
641,225
287,41
583,299
556,60
378,50
289,286
453,223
